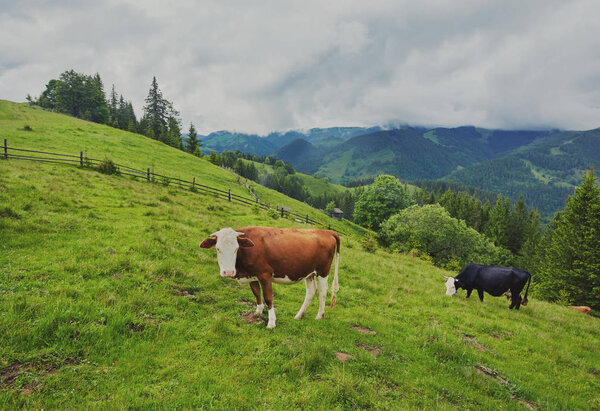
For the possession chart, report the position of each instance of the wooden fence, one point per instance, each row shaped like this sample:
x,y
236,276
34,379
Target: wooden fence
x,y
82,160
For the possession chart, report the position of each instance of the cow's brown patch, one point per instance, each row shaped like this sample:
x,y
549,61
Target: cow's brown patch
x,y
581,308
373,349
363,330
342,356
251,318
470,339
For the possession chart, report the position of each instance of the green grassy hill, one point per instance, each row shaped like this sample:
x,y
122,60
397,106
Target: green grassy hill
x,y
63,134
106,301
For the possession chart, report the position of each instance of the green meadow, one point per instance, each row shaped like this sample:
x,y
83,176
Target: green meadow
x,y
107,301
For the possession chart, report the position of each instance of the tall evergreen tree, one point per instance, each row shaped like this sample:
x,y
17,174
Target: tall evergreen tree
x,y
156,111
193,143
570,265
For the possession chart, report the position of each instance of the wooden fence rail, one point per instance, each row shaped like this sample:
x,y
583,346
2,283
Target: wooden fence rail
x,y
84,161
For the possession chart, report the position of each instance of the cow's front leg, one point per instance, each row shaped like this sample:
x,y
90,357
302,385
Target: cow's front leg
x,y
322,296
469,291
311,289
267,288
255,287
480,292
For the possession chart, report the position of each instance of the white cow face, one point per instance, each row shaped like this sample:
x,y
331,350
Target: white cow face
x,y
227,241
450,286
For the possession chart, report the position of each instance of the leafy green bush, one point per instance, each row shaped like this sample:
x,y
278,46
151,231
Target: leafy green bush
x,y
383,198
107,166
369,243
448,241
27,127
273,213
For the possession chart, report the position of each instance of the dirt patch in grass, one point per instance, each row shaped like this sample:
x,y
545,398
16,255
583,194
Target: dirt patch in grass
x,y
504,382
363,330
342,356
496,336
251,318
373,349
136,328
28,377
246,303
470,339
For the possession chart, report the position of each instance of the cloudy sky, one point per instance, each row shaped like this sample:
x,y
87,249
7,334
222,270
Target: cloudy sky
x,y
258,66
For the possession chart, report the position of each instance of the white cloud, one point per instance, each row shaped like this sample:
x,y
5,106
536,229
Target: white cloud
x,y
272,65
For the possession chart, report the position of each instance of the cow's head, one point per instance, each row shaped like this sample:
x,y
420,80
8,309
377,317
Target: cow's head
x,y
450,286
227,241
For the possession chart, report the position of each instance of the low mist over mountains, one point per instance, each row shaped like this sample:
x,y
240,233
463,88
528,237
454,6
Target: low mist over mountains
x,y
542,165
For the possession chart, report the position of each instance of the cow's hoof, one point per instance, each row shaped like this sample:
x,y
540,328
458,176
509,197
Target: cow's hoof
x,y
271,325
319,316
299,316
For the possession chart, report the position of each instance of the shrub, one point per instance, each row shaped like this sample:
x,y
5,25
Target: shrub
x,y
107,166
369,243
273,213
27,127
448,241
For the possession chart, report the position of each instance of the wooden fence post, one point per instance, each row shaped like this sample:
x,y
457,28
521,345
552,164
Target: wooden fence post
x,y
194,183
81,158
306,218
148,174
230,195
329,228
282,212
5,150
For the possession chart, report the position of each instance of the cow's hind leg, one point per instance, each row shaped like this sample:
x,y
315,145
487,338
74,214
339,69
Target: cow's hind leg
x,y
311,289
515,301
255,287
322,296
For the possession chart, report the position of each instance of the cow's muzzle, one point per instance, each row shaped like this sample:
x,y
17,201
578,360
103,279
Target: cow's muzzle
x,y
228,274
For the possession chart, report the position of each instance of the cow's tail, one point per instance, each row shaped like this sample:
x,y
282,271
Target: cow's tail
x,y
525,300
335,285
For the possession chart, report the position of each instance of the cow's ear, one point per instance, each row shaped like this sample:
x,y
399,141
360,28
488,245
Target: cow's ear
x,y
208,242
245,242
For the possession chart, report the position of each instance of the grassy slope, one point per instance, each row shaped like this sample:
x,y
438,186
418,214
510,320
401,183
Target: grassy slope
x,y
66,135
107,301
316,186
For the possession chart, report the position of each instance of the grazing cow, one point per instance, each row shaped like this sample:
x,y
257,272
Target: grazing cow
x,y
260,256
494,280
581,308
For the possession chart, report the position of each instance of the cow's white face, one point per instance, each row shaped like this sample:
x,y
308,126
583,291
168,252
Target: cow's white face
x,y
227,244
227,247
450,286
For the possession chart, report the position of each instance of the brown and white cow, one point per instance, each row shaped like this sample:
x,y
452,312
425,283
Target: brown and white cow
x,y
260,256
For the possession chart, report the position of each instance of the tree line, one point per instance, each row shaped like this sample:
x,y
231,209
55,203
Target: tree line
x,y
82,96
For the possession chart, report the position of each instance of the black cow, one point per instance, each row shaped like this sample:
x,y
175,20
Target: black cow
x,y
494,280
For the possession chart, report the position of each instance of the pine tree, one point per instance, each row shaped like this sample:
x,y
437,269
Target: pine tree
x,y
193,142
570,267
156,111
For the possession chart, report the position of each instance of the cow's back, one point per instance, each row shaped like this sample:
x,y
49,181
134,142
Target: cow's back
x,y
287,252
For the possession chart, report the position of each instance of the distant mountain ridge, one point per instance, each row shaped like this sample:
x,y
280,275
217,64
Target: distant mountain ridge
x,y
542,165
